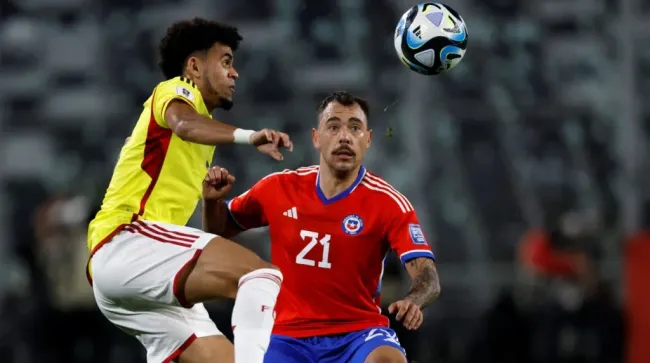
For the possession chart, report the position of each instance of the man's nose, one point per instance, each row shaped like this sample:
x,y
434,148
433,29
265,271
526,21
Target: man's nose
x,y
233,73
344,136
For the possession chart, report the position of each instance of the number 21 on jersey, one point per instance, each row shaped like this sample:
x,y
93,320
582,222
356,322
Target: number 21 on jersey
x,y
313,239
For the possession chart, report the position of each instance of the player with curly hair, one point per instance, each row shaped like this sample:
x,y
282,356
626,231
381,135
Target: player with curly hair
x,y
150,273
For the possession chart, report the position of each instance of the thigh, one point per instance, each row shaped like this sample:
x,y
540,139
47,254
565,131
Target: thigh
x,y
384,354
214,349
372,344
217,271
288,350
166,332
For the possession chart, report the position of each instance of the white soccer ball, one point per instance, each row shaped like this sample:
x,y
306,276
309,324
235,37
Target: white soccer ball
x,y
431,38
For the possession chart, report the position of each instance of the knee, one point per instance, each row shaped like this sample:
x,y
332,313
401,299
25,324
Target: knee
x,y
386,359
261,264
208,349
234,274
385,354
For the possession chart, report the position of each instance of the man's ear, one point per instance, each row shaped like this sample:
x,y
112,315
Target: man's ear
x,y
315,139
194,66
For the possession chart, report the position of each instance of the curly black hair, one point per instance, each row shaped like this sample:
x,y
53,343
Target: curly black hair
x,y
346,99
189,36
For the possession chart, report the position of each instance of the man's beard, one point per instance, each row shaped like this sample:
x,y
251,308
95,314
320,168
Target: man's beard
x,y
225,104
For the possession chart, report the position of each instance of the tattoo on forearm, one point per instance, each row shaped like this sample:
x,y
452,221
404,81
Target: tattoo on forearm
x,y
425,285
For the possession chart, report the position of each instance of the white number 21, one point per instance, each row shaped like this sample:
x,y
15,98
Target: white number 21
x,y
313,239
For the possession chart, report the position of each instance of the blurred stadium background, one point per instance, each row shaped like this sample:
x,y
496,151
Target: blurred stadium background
x,y
526,163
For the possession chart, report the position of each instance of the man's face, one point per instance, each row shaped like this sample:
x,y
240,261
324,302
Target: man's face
x,y
218,74
342,136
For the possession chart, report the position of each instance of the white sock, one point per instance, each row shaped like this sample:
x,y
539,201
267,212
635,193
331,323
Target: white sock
x,y
253,315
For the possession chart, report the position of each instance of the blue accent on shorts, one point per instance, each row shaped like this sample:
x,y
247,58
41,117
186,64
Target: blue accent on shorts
x,y
342,348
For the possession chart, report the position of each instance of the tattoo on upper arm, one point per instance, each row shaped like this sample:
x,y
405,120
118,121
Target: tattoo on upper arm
x,y
425,284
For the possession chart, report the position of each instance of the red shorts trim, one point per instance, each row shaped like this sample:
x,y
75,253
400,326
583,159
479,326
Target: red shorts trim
x,y
178,292
98,246
151,231
177,353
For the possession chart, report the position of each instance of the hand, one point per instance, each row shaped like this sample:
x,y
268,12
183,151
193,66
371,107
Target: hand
x,y
217,183
408,312
269,142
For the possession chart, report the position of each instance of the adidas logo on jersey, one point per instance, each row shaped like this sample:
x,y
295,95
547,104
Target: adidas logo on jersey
x,y
291,213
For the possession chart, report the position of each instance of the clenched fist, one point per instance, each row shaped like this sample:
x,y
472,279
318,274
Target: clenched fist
x,y
217,183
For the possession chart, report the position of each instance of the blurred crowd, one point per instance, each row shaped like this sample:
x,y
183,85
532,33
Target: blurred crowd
x,y
524,163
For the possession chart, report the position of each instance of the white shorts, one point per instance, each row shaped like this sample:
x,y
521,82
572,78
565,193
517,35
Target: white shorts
x,y
134,281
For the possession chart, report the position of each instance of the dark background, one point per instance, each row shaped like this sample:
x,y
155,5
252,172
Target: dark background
x,y
535,141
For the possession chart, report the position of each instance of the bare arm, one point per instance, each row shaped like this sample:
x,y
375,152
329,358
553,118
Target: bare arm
x,y
214,216
425,288
215,219
191,126
425,285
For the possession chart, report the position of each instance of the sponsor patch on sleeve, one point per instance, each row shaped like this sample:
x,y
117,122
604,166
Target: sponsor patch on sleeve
x,y
185,93
417,236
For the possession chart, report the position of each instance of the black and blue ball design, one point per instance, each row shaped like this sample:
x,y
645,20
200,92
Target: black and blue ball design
x,y
431,38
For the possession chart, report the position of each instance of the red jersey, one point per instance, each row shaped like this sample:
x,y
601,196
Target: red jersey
x,y
330,251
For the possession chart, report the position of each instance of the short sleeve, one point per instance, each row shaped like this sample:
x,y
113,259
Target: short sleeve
x,y
174,89
247,209
406,237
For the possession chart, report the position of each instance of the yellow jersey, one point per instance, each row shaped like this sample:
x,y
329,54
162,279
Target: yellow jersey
x,y
158,176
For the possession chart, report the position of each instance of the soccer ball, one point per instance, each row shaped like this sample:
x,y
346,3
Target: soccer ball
x,y
431,38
